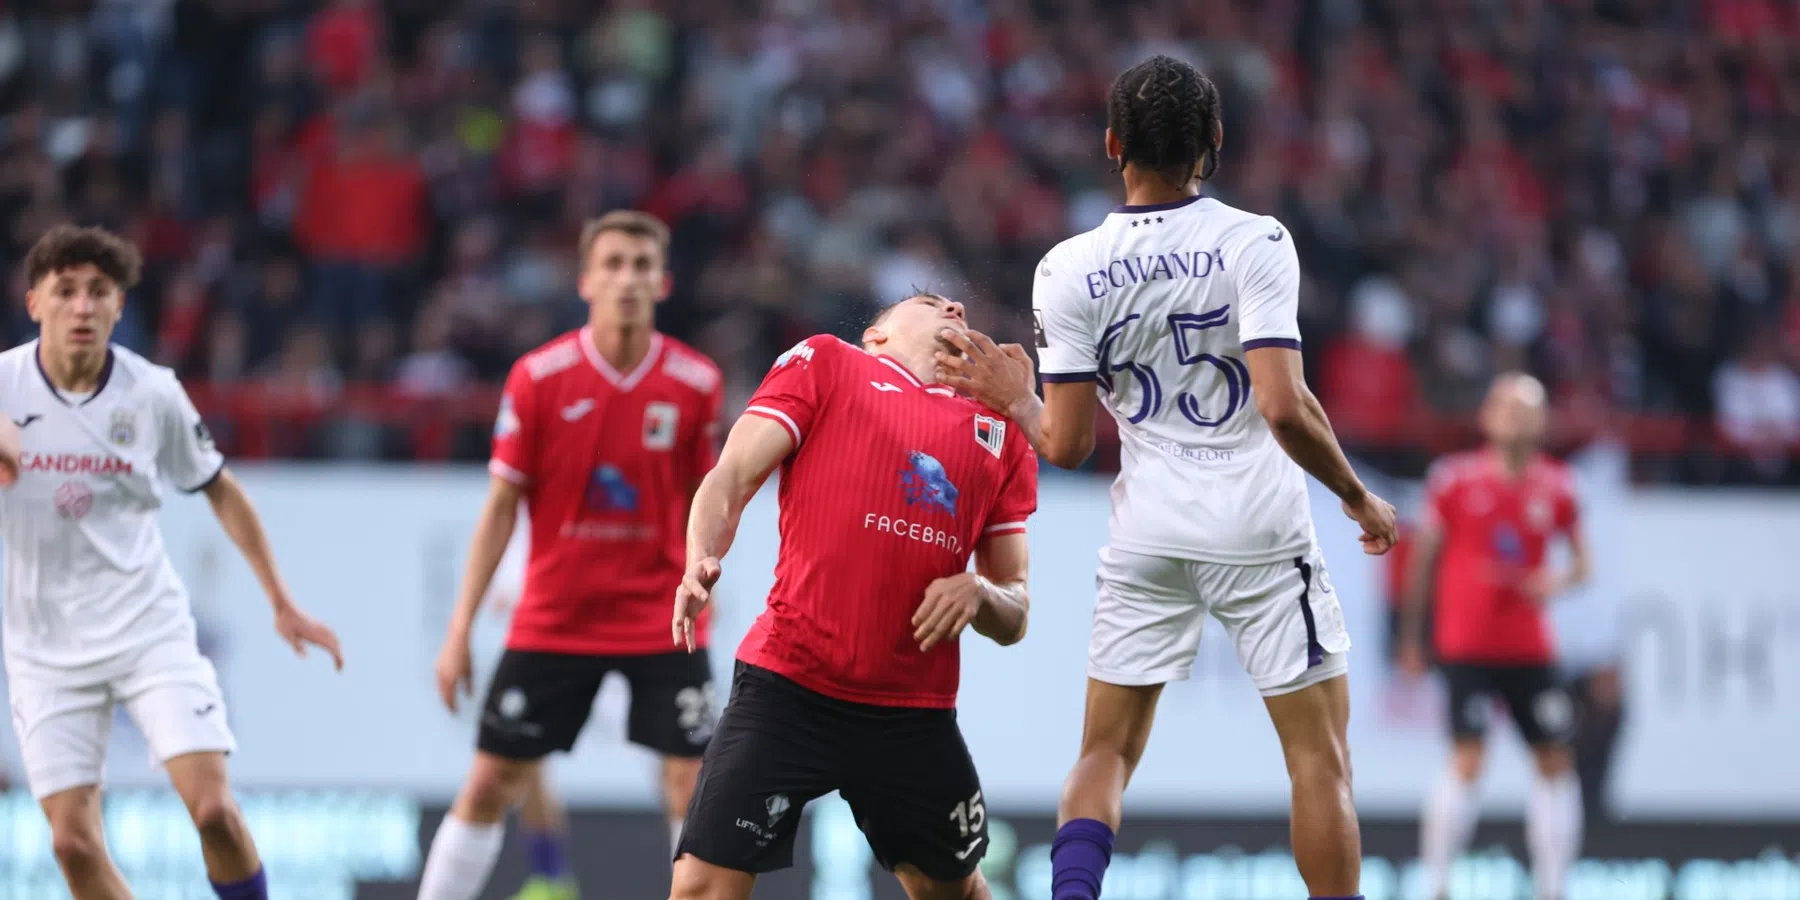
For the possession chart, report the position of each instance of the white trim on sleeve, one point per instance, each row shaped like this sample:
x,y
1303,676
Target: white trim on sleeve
x,y
502,470
779,416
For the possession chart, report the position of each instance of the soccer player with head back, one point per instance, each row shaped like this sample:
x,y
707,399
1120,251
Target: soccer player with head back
x,y
1183,310
603,433
1490,518
847,681
95,614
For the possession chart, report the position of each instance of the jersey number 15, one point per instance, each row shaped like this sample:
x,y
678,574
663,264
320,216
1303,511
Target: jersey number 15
x,y
1182,327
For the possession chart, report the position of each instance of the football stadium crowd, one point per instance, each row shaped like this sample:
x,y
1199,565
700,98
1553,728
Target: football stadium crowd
x,y
356,214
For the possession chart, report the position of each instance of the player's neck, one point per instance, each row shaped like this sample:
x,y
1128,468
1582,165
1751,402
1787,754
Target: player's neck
x,y
1145,188
1513,460
922,364
73,372
623,347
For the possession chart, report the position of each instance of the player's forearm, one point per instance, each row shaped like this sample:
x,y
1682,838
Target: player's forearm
x,y
493,531
1005,610
1305,435
1047,436
1419,571
237,516
713,519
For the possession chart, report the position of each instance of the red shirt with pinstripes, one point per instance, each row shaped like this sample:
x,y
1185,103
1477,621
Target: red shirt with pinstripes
x,y
890,486
607,462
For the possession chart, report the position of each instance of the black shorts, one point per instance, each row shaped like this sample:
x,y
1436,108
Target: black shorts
x,y
906,774
1536,699
538,702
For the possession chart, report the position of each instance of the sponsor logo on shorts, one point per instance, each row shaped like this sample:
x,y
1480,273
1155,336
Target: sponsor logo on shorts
x,y
776,807
203,710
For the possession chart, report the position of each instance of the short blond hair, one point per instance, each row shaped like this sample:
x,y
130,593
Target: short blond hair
x,y
626,221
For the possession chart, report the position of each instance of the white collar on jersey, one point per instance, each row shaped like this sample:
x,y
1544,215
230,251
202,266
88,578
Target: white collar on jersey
x,y
935,389
106,371
623,382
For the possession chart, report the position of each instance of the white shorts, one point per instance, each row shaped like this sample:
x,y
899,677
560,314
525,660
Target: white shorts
x,y
1283,617
63,719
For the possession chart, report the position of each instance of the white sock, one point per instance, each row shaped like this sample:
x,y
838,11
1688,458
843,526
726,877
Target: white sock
x,y
674,836
461,859
1553,823
1446,826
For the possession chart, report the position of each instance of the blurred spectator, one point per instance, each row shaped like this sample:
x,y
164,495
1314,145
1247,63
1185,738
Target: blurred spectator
x,y
1602,193
1758,399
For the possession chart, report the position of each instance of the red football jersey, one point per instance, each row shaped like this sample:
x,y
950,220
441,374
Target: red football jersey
x,y
1496,530
608,462
890,486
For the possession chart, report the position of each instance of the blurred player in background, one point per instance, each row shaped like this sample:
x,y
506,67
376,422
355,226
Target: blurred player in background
x,y
542,815
603,433
95,614
1184,310
1489,519
848,680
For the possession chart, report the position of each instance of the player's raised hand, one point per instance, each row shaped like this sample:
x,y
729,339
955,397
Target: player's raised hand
x,y
998,376
691,597
1376,516
950,605
300,629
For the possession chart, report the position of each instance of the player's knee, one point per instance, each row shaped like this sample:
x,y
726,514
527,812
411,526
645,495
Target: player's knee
x,y
1326,765
78,848
494,785
216,817
1553,760
1466,761
695,880
678,777
919,886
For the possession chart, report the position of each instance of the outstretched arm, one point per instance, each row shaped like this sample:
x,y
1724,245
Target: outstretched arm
x,y
754,448
239,519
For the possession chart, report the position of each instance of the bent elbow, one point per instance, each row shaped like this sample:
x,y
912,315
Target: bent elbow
x,y
1285,417
1007,640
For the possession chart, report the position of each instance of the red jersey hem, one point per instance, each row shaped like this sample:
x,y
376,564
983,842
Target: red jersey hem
x,y
851,695
579,647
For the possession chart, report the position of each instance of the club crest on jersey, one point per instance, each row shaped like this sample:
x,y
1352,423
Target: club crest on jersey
x,y
123,430
660,421
924,480
990,433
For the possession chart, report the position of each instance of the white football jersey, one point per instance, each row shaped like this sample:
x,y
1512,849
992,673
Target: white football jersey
x,y
1158,305
87,578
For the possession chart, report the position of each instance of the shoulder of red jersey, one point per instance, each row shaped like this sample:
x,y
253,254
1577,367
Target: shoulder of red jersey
x,y
813,349
1554,473
1446,471
558,355
689,366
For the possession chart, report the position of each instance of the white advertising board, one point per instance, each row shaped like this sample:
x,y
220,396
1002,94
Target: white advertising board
x,y
1693,591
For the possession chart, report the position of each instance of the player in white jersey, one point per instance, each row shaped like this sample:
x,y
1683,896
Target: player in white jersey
x,y
1183,310
95,616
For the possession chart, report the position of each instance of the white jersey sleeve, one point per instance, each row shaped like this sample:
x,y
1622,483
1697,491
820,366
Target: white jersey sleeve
x,y
1266,271
1062,316
186,453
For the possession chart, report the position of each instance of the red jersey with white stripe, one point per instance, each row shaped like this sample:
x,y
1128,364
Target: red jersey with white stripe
x,y
890,486
608,462
1496,529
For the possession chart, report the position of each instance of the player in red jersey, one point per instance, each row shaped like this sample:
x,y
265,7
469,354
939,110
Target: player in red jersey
x,y
1490,518
847,681
604,433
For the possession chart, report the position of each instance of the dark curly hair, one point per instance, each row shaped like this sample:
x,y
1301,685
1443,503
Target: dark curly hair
x,y
1166,117
67,246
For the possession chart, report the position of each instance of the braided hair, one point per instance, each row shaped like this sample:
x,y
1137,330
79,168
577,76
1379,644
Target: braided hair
x,y
1166,117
